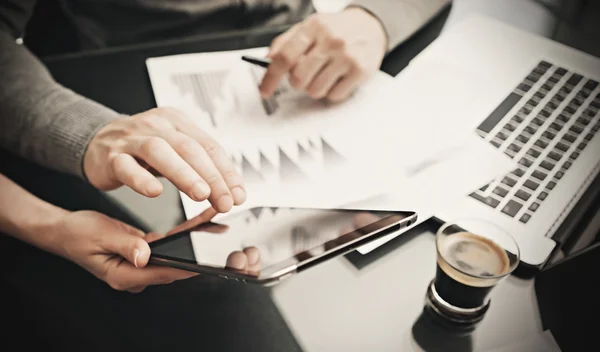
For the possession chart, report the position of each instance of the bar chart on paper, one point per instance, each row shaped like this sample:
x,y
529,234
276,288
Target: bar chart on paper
x,y
212,92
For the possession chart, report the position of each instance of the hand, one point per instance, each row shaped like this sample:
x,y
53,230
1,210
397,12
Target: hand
x,y
327,55
163,141
111,250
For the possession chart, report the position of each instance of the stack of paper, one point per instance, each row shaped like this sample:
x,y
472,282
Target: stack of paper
x,y
294,151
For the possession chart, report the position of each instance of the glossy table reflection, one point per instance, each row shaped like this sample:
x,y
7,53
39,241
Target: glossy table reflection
x,y
336,307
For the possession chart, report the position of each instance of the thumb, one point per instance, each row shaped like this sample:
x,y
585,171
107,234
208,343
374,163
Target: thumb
x,y
129,243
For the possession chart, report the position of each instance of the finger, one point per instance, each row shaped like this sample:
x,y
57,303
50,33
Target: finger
x,y
253,256
126,241
199,159
281,39
132,174
222,162
326,79
204,217
153,236
237,260
157,153
285,58
137,289
306,70
344,88
126,277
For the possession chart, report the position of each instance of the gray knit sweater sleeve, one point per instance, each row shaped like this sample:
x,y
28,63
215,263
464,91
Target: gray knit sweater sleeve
x,y
40,119
402,18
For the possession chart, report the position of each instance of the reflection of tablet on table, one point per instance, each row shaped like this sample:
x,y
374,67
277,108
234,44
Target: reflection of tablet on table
x,y
264,245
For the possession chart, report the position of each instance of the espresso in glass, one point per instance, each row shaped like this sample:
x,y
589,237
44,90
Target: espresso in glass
x,y
472,257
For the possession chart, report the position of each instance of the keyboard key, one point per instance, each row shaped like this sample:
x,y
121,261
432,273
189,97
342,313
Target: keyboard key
x,y
512,208
566,89
583,94
502,136
525,111
517,119
542,196
561,146
540,175
510,153
509,181
551,185
534,153
567,165
518,172
533,102
563,118
559,97
551,106
530,129
549,135
525,218
542,144
547,86
554,156
596,127
584,120
576,129
500,191
574,155
553,80
534,206
538,121
559,175
577,101
525,162
596,104
509,127
560,71
532,185
487,200
514,147
545,65
574,79
569,138
524,87
492,120
582,145
495,143
570,109
590,112
522,138
545,113
591,84
547,165
588,137
539,95
482,189
556,126
524,195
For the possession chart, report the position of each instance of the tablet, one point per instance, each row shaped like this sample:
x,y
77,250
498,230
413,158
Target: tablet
x,y
267,244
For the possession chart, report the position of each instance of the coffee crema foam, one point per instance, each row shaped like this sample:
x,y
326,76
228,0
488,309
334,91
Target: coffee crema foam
x,y
473,255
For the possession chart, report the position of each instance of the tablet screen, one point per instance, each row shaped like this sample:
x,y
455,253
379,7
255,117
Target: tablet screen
x,y
256,239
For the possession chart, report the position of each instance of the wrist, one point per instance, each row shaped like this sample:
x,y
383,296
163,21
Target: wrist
x,y
43,230
362,15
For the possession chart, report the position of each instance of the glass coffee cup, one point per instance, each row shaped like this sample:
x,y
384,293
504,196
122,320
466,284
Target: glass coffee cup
x,y
473,256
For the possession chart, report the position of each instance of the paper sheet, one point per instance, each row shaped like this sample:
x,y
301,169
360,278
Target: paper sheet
x,y
290,149
471,165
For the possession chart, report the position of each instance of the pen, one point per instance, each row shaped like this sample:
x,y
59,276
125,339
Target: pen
x,y
257,61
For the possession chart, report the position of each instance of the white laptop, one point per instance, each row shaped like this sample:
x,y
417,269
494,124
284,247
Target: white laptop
x,y
532,98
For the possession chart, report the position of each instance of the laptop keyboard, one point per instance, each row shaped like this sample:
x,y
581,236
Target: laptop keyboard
x,y
555,116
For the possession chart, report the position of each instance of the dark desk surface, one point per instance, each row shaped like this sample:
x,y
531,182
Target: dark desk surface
x,y
335,306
